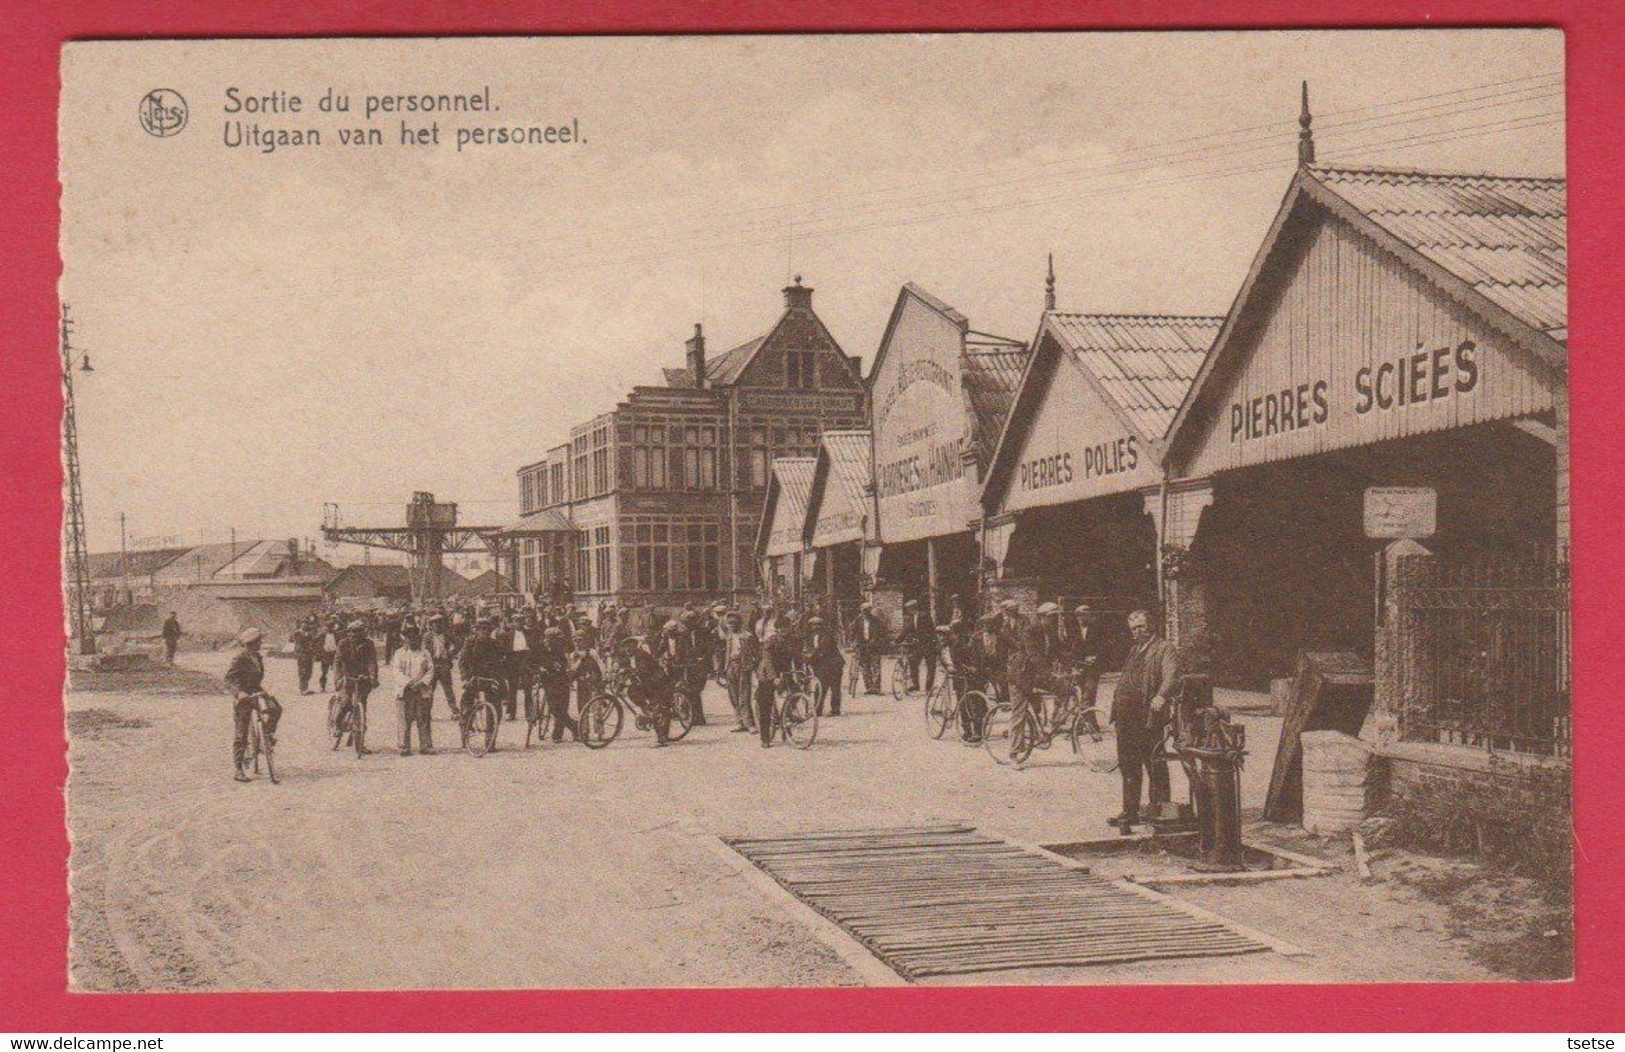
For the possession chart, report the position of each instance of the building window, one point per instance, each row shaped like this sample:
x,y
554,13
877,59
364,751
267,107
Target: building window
x,y
600,557
672,555
801,369
755,465
600,460
556,482
692,457
649,456
583,564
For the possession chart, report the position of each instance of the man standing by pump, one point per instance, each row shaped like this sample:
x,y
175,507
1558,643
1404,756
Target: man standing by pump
x,y
1140,709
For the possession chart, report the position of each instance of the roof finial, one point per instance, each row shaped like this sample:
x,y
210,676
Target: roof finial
x,y
1049,285
1306,137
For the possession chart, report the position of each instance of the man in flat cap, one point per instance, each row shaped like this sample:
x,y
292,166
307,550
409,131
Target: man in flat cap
x,y
246,678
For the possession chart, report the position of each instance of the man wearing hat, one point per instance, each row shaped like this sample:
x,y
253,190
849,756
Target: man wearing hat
x,y
483,658
553,673
741,652
699,635
822,653
414,671
1087,649
357,664
869,640
777,662
918,643
328,651
246,677
442,652
1140,711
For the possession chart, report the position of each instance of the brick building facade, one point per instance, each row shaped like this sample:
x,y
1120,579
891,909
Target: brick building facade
x,y
658,501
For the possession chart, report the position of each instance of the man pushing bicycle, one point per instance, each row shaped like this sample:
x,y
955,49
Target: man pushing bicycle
x,y
246,678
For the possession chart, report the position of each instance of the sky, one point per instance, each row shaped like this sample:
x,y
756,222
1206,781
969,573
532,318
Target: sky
x,y
271,332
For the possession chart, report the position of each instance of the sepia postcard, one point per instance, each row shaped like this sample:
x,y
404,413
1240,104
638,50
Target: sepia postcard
x,y
816,510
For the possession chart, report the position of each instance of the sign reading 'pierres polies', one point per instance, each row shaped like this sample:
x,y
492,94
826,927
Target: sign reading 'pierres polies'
x,y
1076,448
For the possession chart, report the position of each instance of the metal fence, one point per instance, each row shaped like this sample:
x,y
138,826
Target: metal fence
x,y
1484,651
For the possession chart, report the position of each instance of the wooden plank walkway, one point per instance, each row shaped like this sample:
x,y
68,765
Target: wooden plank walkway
x,y
948,900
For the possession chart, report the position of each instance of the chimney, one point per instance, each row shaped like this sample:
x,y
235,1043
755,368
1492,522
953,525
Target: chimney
x,y
696,356
1306,134
798,296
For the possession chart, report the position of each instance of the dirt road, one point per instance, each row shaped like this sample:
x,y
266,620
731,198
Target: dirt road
x,y
564,867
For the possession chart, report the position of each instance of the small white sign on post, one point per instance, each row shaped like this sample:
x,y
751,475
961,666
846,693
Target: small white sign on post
x,y
1398,512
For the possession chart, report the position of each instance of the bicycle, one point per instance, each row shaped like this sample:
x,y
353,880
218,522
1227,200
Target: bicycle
x,y
347,718
1011,733
795,714
602,717
259,742
478,718
941,707
538,717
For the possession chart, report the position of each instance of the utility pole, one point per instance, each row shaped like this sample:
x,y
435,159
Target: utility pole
x,y
123,561
73,522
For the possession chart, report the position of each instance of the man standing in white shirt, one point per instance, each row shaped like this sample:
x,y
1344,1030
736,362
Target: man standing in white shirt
x,y
414,671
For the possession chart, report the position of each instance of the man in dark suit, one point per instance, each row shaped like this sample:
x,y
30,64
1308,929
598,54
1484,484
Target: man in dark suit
x,y
919,642
822,653
1140,710
1088,647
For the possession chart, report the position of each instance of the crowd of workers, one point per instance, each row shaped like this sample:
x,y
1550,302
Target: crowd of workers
x,y
520,656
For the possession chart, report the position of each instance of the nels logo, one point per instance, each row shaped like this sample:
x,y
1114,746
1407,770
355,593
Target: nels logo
x,y
162,112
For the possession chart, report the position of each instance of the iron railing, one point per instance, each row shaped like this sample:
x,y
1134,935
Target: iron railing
x,y
1484,651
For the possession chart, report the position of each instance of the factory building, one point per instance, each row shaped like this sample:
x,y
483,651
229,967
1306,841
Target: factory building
x,y
940,392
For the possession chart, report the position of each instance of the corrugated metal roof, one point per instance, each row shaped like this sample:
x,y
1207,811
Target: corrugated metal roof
x,y
842,500
1505,236
795,475
1144,362
849,466
990,374
787,496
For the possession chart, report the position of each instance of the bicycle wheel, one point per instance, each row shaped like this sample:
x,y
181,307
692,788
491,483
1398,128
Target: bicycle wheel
x,y
971,715
493,724
799,719
1094,738
600,721
270,754
682,715
899,678
482,728
852,672
1005,737
256,741
358,728
940,709
335,728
